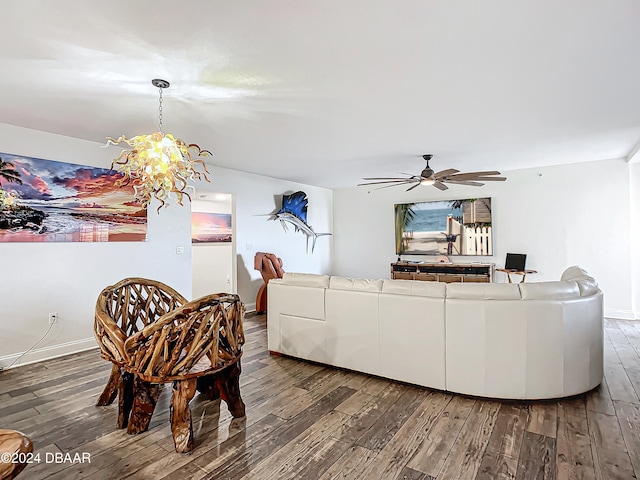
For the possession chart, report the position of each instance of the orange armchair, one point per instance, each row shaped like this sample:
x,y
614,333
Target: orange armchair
x,y
269,267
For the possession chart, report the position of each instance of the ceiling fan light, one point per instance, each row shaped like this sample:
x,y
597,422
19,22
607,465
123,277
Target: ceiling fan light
x,y
439,179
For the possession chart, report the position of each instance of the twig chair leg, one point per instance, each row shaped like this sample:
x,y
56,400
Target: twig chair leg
x,y
125,399
144,403
229,384
181,426
111,389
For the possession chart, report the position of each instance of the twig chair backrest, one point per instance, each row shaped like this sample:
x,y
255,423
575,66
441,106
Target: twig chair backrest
x,y
201,337
126,308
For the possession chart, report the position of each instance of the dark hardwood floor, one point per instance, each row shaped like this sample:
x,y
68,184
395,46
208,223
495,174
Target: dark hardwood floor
x,y
306,421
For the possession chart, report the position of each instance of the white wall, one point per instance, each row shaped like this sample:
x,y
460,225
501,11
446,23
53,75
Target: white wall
x,y
572,214
634,184
38,278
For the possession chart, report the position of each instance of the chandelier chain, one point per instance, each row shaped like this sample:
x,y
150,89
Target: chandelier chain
x,y
160,112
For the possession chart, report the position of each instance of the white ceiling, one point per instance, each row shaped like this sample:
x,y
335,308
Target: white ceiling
x,y
325,92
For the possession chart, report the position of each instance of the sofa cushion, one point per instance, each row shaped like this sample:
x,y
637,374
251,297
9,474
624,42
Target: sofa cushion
x,y
573,273
414,288
586,283
359,284
305,279
549,290
483,291
588,286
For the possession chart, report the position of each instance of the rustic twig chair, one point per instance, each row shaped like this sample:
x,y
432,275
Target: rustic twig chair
x,y
195,345
122,310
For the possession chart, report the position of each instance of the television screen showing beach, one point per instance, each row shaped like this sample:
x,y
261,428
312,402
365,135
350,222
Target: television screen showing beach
x,y
432,217
49,201
454,227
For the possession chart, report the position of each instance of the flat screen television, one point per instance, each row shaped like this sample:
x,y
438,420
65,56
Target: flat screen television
x,y
449,227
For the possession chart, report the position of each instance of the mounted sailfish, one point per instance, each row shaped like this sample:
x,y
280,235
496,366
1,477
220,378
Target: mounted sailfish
x,y
294,211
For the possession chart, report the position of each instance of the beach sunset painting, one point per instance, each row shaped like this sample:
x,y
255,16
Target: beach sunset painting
x,y
210,227
50,201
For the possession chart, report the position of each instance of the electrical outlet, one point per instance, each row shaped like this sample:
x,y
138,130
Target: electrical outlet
x,y
53,318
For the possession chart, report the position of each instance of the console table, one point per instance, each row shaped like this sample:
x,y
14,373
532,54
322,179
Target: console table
x,y
443,272
509,271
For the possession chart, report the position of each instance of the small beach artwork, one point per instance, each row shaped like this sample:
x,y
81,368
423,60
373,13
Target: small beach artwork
x,y
51,201
209,227
451,227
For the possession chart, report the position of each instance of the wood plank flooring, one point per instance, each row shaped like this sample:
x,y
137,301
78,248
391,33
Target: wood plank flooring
x,y
307,421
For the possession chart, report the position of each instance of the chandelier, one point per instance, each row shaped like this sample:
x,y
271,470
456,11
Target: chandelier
x,y
158,164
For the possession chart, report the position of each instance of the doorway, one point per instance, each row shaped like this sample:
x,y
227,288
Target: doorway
x,y
213,252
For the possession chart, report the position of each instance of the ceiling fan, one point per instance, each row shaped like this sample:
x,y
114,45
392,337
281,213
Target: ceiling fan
x,y
438,180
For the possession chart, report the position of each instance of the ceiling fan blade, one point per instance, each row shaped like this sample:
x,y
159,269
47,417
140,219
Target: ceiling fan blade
x,y
386,178
465,182
493,172
492,179
394,185
475,174
411,188
445,173
385,181
440,186
474,178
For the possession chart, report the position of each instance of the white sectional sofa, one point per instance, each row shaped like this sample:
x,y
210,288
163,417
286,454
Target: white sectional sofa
x,y
512,341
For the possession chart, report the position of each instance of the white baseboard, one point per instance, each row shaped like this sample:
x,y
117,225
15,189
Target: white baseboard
x,y
620,314
47,353
250,307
